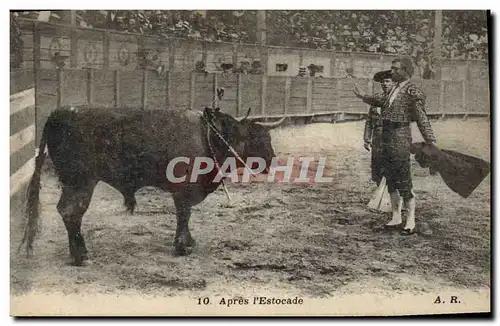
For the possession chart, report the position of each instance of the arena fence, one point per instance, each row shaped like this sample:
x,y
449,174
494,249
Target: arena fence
x,y
22,143
313,99
268,96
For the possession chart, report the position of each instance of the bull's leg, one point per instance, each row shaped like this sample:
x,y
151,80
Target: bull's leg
x,y
184,200
72,206
130,203
128,193
183,239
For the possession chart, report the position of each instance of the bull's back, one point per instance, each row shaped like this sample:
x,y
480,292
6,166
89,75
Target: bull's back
x,y
121,145
177,133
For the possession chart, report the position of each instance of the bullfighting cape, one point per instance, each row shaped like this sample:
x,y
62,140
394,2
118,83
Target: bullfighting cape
x,y
381,200
462,173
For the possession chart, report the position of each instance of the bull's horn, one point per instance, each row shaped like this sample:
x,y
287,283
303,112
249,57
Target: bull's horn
x,y
248,113
271,124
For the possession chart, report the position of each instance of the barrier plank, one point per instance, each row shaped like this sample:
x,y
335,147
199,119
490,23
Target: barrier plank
x,y
22,138
22,100
22,176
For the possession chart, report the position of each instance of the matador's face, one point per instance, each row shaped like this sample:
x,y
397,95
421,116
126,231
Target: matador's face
x,y
398,72
387,84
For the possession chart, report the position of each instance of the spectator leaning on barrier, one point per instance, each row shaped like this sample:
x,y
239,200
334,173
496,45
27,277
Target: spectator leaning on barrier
x,y
404,104
302,71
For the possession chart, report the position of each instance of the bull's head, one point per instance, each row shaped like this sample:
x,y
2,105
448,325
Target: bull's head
x,y
248,138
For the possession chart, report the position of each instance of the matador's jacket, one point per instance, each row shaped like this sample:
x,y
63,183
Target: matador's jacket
x,y
373,135
405,104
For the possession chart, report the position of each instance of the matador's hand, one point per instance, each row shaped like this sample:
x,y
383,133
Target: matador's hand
x,y
432,144
357,92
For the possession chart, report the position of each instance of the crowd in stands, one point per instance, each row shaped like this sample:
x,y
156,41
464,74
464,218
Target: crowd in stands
x,y
394,32
213,25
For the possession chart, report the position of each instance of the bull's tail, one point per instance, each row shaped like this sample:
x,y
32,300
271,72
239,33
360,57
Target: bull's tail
x,y
33,198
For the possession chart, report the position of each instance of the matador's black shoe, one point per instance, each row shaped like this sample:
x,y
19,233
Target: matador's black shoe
x,y
388,228
408,231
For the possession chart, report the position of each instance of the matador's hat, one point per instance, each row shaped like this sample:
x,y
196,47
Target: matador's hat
x,y
380,76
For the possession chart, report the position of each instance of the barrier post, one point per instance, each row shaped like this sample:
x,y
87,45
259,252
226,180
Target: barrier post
x,y
117,87
144,88
441,97
238,94
263,94
215,99
90,86
309,94
105,47
288,86
59,91
192,90
169,90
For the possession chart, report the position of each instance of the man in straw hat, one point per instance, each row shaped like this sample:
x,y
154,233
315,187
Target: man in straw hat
x,y
302,71
403,105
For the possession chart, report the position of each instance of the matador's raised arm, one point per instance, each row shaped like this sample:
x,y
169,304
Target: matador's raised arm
x,y
377,100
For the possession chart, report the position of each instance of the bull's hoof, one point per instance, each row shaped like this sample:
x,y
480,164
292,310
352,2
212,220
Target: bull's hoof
x,y
80,259
181,250
129,206
87,262
191,242
81,263
184,248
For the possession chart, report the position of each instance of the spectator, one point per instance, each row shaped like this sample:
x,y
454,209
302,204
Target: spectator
x,y
302,71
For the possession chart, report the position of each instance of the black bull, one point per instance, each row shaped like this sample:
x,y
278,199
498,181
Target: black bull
x,y
129,149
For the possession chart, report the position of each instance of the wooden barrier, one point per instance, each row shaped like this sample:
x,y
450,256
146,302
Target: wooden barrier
x,y
300,98
268,96
22,143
